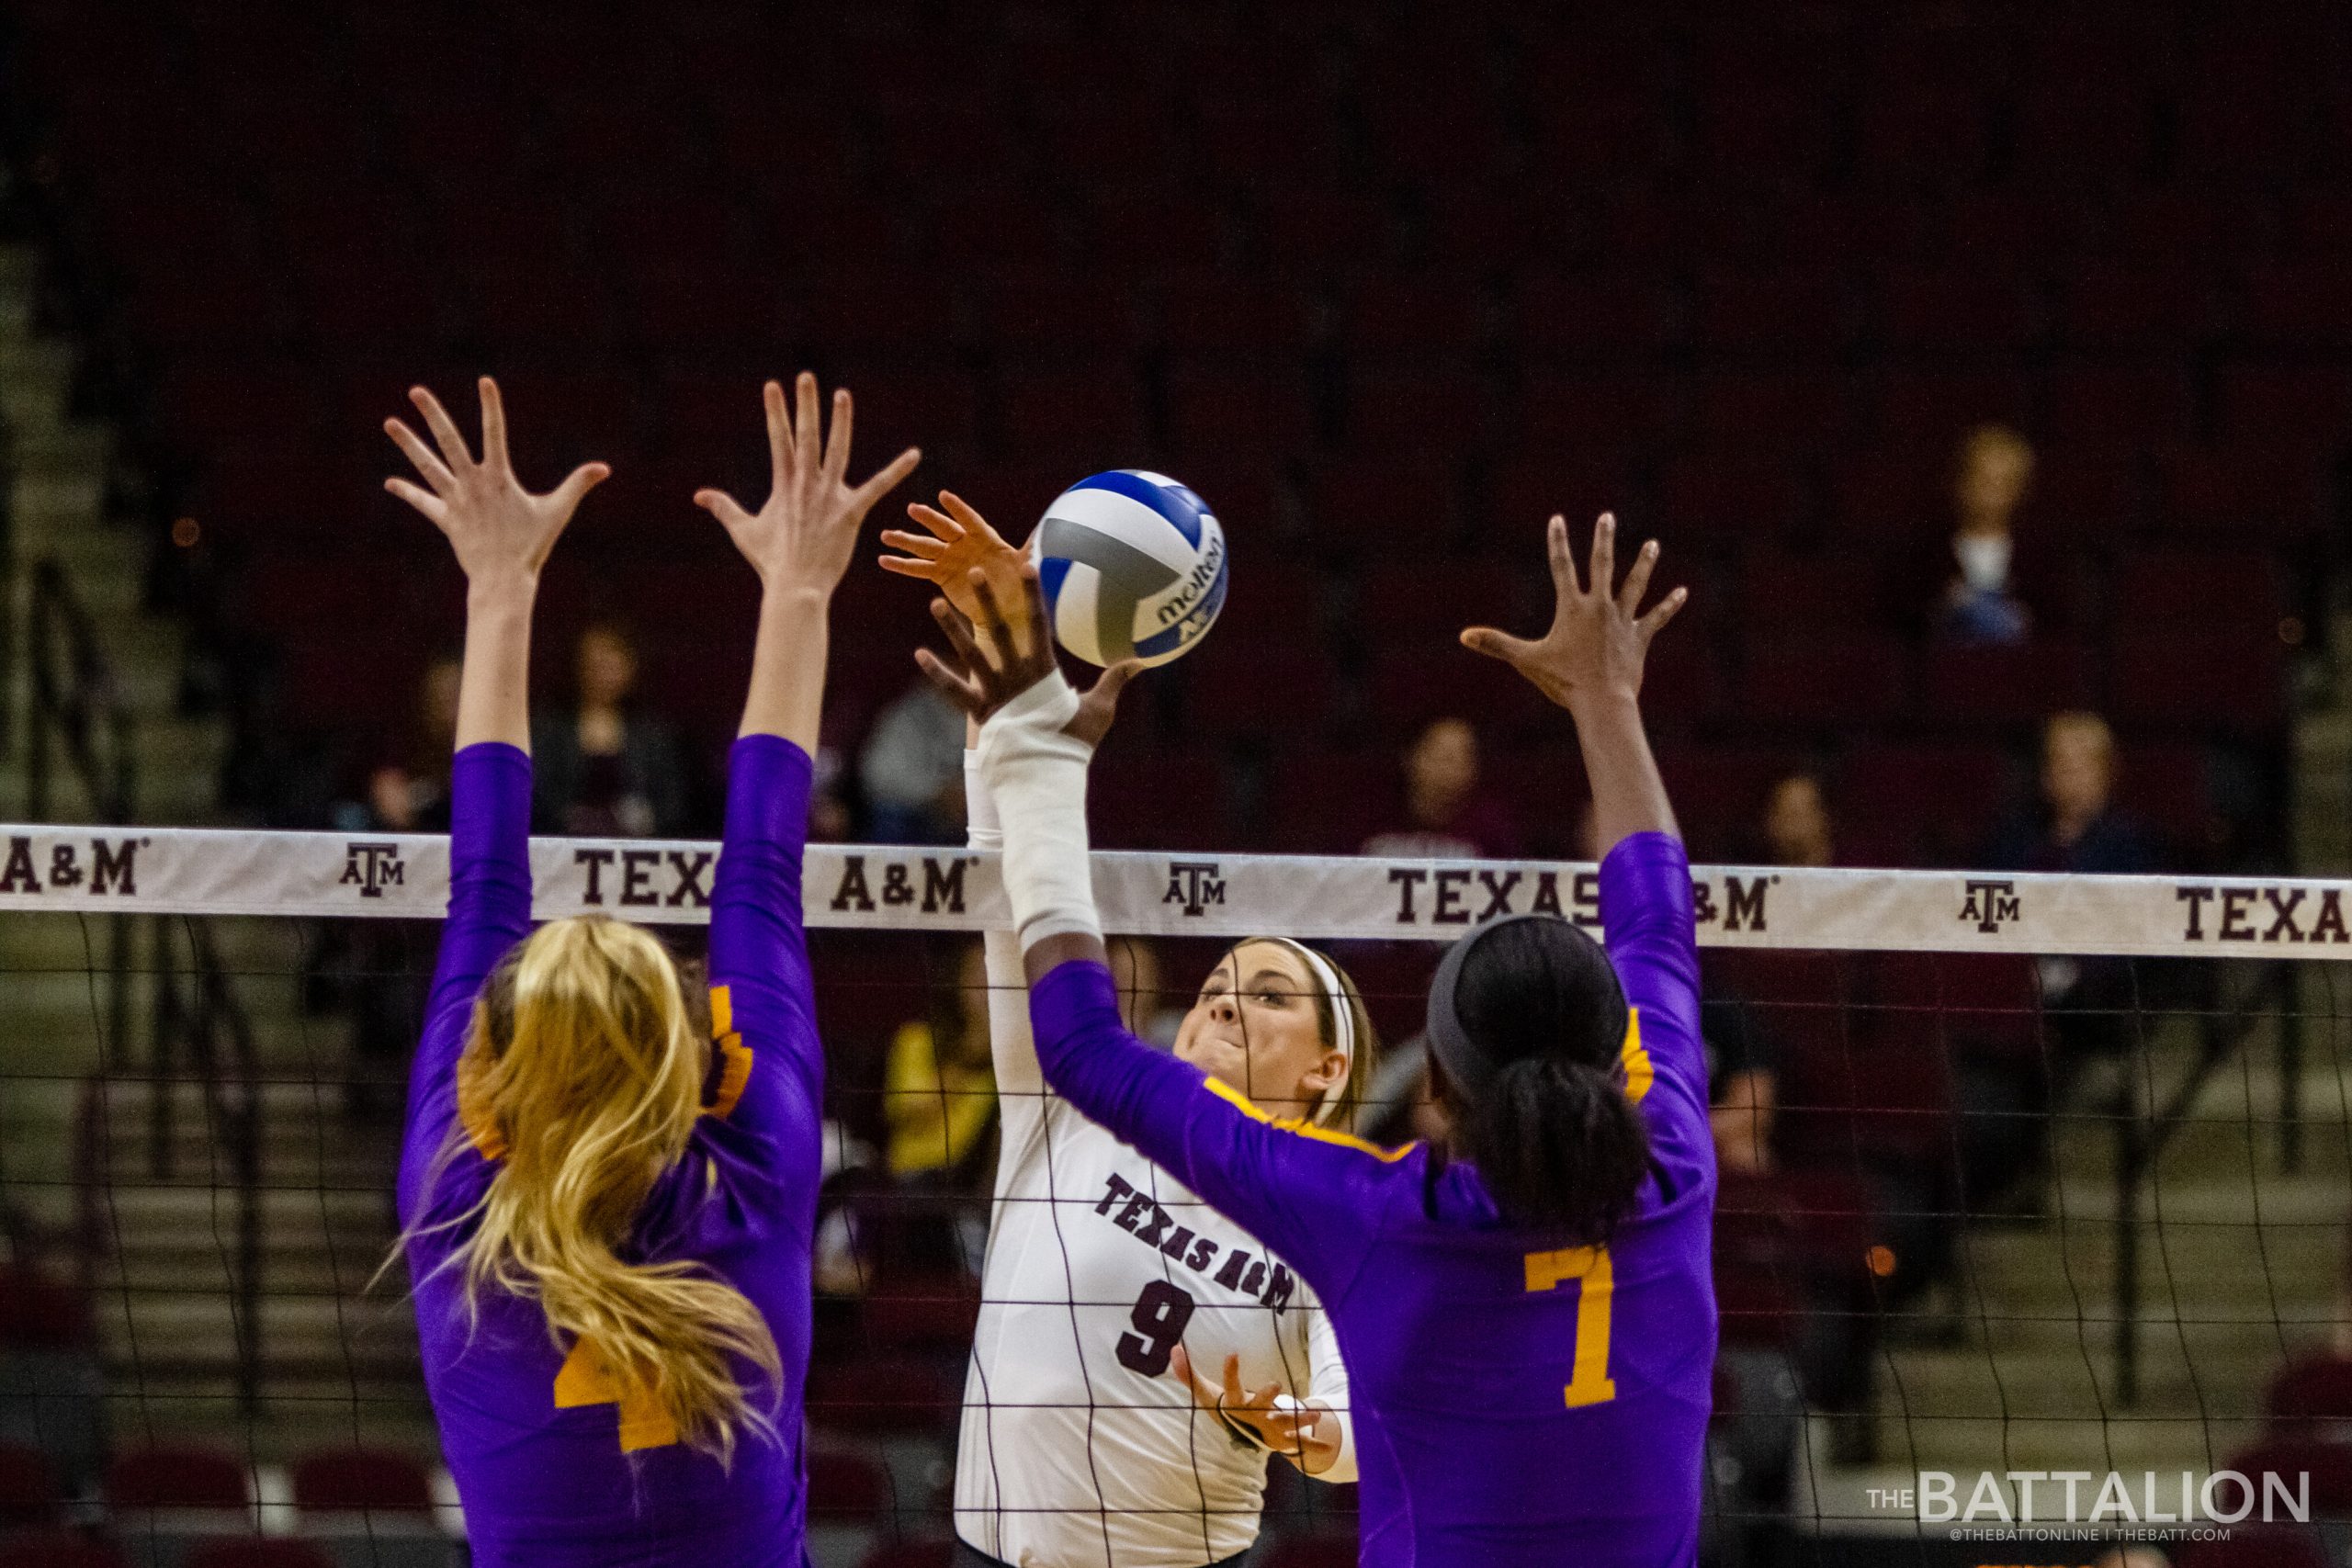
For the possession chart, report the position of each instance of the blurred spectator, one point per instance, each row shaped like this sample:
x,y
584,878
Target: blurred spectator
x,y
605,769
829,817
1444,816
912,770
1797,823
939,1089
1979,606
379,971
408,792
2089,1005
2076,825
939,1103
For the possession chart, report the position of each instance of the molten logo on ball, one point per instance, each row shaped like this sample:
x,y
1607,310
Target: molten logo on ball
x,y
1134,567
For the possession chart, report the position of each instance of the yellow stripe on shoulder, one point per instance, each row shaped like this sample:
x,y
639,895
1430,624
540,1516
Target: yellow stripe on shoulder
x,y
1639,1073
1300,1126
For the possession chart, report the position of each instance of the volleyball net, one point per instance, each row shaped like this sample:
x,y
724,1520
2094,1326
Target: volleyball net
x,y
2023,1176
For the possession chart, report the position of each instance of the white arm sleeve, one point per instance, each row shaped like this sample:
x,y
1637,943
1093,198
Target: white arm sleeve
x,y
1020,1086
1036,775
1329,1386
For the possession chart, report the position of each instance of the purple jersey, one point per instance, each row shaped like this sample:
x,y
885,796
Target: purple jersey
x,y
1516,1404
551,1466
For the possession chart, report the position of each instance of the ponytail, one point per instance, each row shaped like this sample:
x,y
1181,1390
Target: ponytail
x,y
583,1078
1527,1028
1559,1146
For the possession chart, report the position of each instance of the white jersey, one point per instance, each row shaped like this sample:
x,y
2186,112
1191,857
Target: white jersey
x,y
1078,1448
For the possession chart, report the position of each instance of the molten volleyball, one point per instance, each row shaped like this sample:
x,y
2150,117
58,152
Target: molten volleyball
x,y
1132,566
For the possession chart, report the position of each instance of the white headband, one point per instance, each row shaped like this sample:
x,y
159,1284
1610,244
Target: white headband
x,y
1343,1021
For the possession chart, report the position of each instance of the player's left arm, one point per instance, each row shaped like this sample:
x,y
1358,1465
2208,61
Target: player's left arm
x,y
1591,662
800,543
502,535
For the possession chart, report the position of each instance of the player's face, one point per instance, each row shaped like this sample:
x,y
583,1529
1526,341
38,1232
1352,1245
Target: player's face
x,y
1255,1025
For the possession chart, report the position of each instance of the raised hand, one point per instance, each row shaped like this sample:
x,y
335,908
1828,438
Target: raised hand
x,y
1599,638
496,526
997,659
959,541
805,534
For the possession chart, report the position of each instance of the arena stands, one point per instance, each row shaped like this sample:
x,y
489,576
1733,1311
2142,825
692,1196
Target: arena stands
x,y
1388,285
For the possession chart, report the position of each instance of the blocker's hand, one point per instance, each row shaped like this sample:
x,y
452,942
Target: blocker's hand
x,y
804,536
497,528
1291,1433
1599,639
995,659
959,541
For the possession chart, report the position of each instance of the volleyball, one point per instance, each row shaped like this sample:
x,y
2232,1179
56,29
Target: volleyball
x,y
1133,565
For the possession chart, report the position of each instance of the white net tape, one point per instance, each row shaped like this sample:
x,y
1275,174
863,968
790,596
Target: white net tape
x,y
200,871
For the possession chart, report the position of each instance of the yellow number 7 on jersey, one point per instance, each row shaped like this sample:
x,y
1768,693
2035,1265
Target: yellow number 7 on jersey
x,y
1592,1384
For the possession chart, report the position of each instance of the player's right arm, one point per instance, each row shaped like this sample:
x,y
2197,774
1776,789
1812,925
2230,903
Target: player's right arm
x,y
1020,1086
771,1078
1591,662
501,534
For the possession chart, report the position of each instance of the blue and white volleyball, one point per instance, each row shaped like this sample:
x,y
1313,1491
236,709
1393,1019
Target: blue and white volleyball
x,y
1133,565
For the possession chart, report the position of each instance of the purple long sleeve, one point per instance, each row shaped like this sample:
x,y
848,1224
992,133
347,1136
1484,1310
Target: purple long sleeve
x,y
553,1471
1652,936
1517,1404
1311,1195
490,911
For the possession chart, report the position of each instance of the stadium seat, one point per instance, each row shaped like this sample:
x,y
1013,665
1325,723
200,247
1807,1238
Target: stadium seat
x,y
2183,680
362,1479
2110,307
2303,407
911,1554
1797,593
2231,492
59,1548
1589,316
2313,1396
29,1493
2198,589
879,1396
1959,312
1218,411
1824,678
371,1509
285,1552
2006,686
851,1503
1723,495
2115,408
1942,795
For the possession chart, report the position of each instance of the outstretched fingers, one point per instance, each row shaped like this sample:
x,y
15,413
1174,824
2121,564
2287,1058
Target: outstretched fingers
x,y
493,424
837,437
578,482
805,423
444,428
892,477
966,517
976,660
724,507
428,463
779,434
957,688
437,510
1604,576
1500,645
1637,578
1662,612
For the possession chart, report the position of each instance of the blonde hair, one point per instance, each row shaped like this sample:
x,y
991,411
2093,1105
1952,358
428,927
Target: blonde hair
x,y
1364,1062
583,1078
